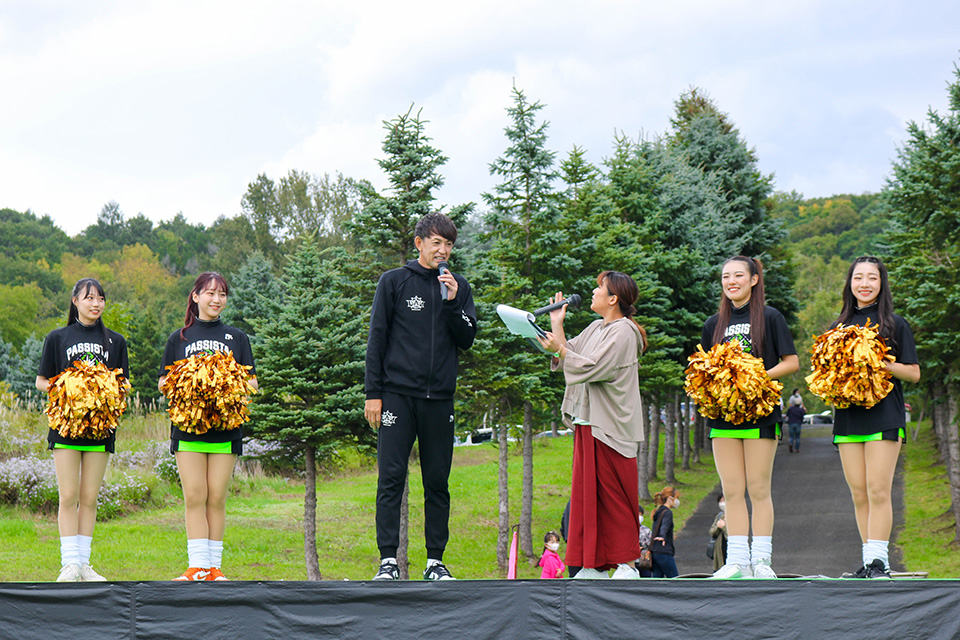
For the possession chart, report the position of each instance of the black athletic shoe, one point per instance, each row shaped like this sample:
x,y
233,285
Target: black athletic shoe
x,y
876,570
388,571
859,573
437,572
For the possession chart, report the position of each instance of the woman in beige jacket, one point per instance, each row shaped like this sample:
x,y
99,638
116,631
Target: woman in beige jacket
x,y
602,404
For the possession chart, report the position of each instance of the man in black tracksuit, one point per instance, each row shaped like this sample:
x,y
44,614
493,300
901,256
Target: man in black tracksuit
x,y
410,379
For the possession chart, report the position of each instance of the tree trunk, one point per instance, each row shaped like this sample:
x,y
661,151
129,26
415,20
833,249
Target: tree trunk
x,y
953,465
694,418
654,448
670,443
554,421
941,419
684,433
705,442
503,499
923,409
526,502
310,514
643,472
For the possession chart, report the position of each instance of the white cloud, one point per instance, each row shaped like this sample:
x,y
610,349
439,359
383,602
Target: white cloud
x,y
176,105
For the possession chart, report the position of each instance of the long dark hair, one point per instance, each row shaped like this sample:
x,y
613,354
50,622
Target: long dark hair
x,y
627,292
82,288
758,300
193,312
884,300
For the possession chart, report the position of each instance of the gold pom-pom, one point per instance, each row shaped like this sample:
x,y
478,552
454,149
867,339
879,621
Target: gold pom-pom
x,y
86,401
729,384
208,391
847,365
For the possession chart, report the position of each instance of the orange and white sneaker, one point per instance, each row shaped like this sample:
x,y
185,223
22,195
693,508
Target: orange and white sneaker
x,y
215,575
193,574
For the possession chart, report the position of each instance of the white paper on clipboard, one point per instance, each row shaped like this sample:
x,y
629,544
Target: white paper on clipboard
x,y
521,323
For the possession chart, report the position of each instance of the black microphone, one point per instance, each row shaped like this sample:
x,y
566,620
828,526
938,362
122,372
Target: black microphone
x,y
444,268
573,301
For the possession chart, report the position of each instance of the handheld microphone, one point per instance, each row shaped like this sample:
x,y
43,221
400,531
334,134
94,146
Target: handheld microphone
x,y
444,268
573,301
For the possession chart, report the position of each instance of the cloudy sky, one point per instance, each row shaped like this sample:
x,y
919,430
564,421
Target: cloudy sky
x,y
171,106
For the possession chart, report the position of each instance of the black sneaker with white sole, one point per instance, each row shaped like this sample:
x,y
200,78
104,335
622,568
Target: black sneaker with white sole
x,y
437,571
388,571
876,570
859,573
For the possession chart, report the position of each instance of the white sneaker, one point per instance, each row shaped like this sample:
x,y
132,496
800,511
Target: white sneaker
x,y
625,572
437,571
69,573
763,571
87,574
590,574
732,572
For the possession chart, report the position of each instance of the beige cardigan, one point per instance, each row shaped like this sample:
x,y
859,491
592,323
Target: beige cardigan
x,y
603,388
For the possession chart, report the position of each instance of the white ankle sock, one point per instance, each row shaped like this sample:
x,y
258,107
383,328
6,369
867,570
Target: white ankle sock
x,y
198,553
738,551
432,561
383,560
84,543
216,553
877,550
69,550
761,549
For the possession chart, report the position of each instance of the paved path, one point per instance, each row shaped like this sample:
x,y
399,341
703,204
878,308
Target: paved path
x,y
815,531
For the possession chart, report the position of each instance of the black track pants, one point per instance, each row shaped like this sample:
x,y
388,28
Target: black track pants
x,y
430,422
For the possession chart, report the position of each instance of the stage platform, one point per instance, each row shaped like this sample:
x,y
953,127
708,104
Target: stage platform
x,y
536,609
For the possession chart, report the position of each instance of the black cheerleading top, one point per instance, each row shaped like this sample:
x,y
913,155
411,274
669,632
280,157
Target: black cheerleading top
x,y
889,413
777,342
202,338
63,347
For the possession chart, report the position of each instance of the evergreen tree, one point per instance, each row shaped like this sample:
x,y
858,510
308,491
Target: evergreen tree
x,y
709,142
924,195
310,360
22,374
386,222
527,262
252,286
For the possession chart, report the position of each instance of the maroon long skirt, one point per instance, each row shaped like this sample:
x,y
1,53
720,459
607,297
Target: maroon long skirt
x,y
604,510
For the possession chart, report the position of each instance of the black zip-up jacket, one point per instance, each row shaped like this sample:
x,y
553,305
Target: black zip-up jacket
x,y
414,337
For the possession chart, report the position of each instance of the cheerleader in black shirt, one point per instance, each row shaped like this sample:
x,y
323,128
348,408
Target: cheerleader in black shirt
x,y
205,461
744,453
80,462
869,439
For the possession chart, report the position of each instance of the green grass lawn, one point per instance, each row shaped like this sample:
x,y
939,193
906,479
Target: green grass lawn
x,y
929,525
264,537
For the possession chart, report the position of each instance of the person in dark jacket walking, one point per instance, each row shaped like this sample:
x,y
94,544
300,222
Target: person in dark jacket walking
x,y
416,333
664,564
795,415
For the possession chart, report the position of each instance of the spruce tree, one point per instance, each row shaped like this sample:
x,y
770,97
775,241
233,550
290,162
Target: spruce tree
x,y
386,221
924,195
310,360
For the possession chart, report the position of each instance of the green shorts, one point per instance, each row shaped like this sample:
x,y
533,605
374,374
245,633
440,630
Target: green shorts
x,y
80,447
770,432
893,435
203,447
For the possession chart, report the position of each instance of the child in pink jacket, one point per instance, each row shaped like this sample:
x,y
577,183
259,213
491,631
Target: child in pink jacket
x,y
553,566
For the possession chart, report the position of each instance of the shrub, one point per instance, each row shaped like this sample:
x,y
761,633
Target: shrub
x,y
31,482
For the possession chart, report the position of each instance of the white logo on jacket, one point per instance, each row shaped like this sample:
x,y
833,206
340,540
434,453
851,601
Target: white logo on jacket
x,y
416,303
466,318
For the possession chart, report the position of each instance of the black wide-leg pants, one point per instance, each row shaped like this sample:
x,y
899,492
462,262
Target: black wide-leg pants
x,y
430,422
